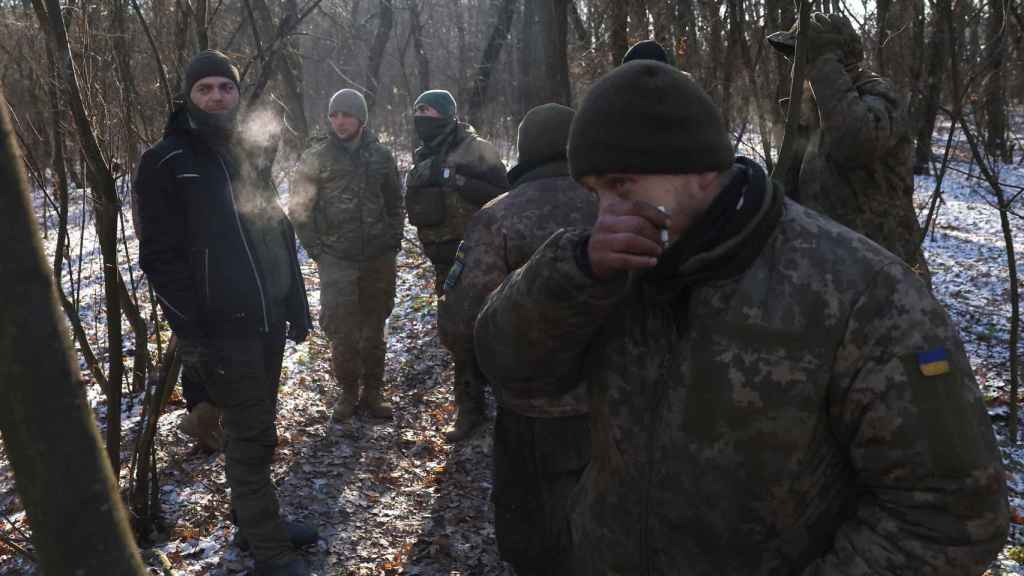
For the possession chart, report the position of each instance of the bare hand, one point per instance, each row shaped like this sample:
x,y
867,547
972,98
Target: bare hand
x,y
626,236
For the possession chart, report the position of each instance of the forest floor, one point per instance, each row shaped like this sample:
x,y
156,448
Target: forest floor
x,y
393,497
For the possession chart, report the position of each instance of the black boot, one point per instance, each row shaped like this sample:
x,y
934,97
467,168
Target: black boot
x,y
287,567
300,536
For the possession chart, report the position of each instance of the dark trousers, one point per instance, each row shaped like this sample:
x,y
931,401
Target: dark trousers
x,y
194,390
537,464
442,256
244,375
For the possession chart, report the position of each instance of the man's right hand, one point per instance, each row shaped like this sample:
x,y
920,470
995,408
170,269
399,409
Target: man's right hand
x,y
194,354
626,236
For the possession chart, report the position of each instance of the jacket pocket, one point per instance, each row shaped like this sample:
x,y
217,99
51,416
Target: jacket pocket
x,y
425,206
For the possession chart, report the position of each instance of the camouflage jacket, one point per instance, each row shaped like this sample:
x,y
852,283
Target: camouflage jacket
x,y
501,238
347,203
795,401
477,176
857,166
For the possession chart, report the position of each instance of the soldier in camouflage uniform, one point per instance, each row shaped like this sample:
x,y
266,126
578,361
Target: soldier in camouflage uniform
x,y
455,173
770,392
858,152
541,444
346,202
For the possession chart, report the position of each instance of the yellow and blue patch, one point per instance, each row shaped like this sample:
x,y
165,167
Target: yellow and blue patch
x,y
934,362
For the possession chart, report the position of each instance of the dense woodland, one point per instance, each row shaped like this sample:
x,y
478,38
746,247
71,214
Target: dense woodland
x,y
88,86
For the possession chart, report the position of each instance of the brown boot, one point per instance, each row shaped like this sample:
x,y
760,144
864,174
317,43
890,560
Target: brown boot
x,y
466,423
469,398
373,401
203,424
346,406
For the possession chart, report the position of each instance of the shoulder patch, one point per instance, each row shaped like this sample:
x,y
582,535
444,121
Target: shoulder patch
x,y
934,362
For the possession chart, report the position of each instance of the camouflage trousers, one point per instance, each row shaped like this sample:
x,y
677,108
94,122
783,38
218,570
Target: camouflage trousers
x,y
441,256
356,299
243,380
537,464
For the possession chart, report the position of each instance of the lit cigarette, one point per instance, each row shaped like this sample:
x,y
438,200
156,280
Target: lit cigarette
x,y
664,231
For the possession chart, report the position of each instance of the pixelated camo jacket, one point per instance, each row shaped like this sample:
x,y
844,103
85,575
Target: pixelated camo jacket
x,y
814,414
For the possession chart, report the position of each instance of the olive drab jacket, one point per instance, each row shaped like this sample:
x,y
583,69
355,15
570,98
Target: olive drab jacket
x,y
347,202
792,400
857,167
450,180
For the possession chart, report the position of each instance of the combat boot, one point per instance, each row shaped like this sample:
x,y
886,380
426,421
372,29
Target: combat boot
x,y
287,567
346,406
203,423
469,419
300,535
373,402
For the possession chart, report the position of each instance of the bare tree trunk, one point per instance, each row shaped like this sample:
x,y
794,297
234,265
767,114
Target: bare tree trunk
x,y
995,85
105,199
416,29
201,9
385,22
496,41
617,37
928,109
688,54
79,525
582,32
787,156
545,75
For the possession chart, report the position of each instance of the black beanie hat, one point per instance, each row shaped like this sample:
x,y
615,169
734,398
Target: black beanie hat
x,y
645,117
646,50
209,63
543,134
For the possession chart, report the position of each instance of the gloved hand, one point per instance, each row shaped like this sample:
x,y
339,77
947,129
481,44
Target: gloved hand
x,y
194,354
833,34
297,332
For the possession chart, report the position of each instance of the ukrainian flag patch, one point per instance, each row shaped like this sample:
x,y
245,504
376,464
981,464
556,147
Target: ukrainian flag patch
x,y
934,362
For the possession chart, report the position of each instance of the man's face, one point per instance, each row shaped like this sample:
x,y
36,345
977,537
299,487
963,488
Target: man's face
x,y
425,110
345,125
684,196
214,94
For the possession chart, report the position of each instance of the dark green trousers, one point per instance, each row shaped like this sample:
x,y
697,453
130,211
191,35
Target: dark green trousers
x,y
244,375
537,464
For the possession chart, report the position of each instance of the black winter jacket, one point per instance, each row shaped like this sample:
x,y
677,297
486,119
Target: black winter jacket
x,y
197,209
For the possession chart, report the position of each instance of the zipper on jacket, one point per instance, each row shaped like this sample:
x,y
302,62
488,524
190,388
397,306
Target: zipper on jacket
x,y
655,399
245,243
206,276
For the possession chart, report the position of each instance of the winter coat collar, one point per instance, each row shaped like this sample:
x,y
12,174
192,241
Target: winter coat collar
x,y
523,173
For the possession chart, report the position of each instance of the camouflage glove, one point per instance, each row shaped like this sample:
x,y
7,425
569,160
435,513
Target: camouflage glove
x,y
194,354
833,35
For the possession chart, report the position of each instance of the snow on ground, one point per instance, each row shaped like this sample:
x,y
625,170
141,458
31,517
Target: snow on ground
x,y
394,497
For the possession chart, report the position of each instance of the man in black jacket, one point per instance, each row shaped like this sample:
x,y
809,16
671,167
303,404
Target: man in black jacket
x,y
220,254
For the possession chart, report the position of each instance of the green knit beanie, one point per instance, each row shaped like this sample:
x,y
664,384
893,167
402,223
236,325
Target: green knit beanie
x,y
350,102
646,117
440,100
544,133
